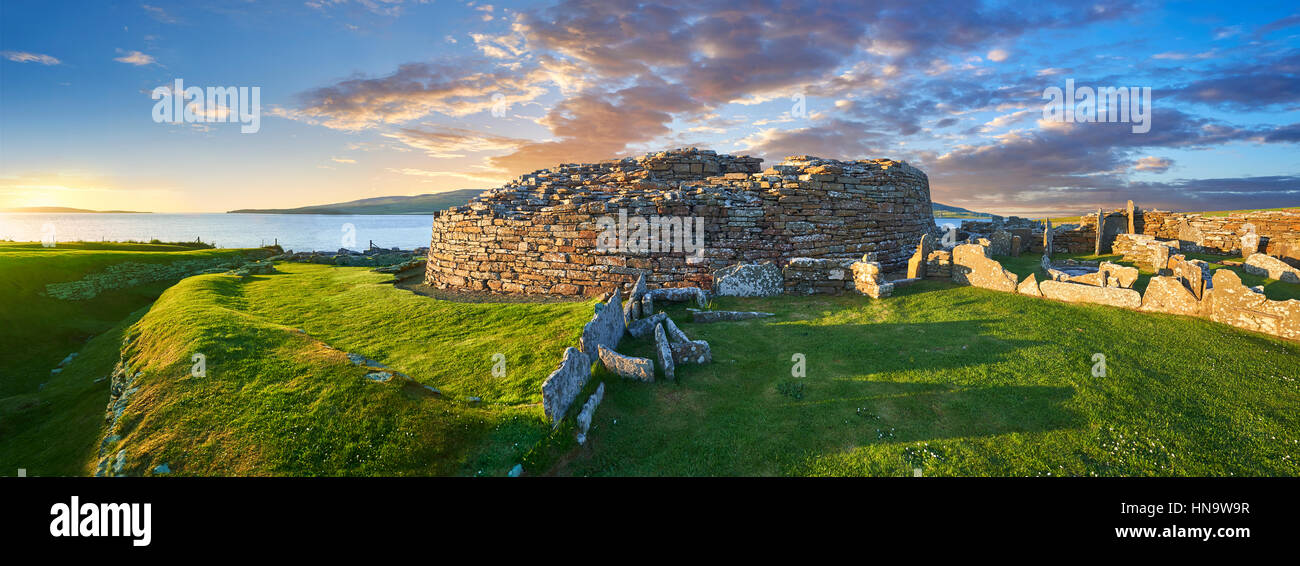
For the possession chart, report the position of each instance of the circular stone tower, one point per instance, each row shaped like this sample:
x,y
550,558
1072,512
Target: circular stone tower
x,y
676,216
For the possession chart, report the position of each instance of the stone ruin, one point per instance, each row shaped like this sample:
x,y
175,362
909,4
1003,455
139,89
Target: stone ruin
x,y
547,232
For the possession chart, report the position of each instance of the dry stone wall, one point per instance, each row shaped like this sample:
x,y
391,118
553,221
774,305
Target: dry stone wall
x,y
543,233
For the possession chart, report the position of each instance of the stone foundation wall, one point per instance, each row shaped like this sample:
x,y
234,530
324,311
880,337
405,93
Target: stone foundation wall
x,y
539,234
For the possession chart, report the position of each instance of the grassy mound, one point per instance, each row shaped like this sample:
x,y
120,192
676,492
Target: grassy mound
x,y
957,381
49,423
280,397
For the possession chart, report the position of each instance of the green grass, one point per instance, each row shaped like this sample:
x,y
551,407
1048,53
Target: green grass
x,y
279,402
956,381
49,423
37,332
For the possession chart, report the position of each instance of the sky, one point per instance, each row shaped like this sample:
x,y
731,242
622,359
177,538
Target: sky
x,y
366,98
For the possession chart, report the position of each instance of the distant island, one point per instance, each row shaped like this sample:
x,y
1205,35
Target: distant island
x,y
418,204
945,211
64,209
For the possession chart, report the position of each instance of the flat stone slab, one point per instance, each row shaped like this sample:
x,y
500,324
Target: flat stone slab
x,y
1029,286
1231,302
1077,293
565,383
972,266
1271,267
726,316
640,369
681,295
762,279
1168,295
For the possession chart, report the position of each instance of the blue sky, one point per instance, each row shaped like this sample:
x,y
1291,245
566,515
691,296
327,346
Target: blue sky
x,y
371,98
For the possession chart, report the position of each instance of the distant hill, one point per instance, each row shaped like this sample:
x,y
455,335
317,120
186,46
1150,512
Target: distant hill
x,y
64,209
945,211
418,204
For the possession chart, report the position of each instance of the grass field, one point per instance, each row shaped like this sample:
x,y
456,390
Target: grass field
x,y
958,381
49,424
946,379
276,401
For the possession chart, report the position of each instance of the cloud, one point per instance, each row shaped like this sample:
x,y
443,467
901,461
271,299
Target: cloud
x,y
414,91
449,142
135,58
25,57
998,55
343,160
1154,164
159,14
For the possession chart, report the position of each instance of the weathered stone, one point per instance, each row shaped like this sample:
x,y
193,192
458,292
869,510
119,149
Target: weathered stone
x,y
1095,278
640,369
631,311
646,326
1047,238
1194,274
588,412
1130,214
692,352
1076,293
1231,302
868,280
762,279
681,295
972,266
674,334
664,352
1168,295
1029,286
1270,267
565,383
1249,240
725,316
1000,243
1016,244
1117,275
605,327
916,265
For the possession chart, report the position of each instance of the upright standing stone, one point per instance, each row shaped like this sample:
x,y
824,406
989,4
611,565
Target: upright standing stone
x,y
664,352
588,412
1129,211
606,326
565,383
868,280
1249,240
916,265
972,266
1047,237
1101,228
